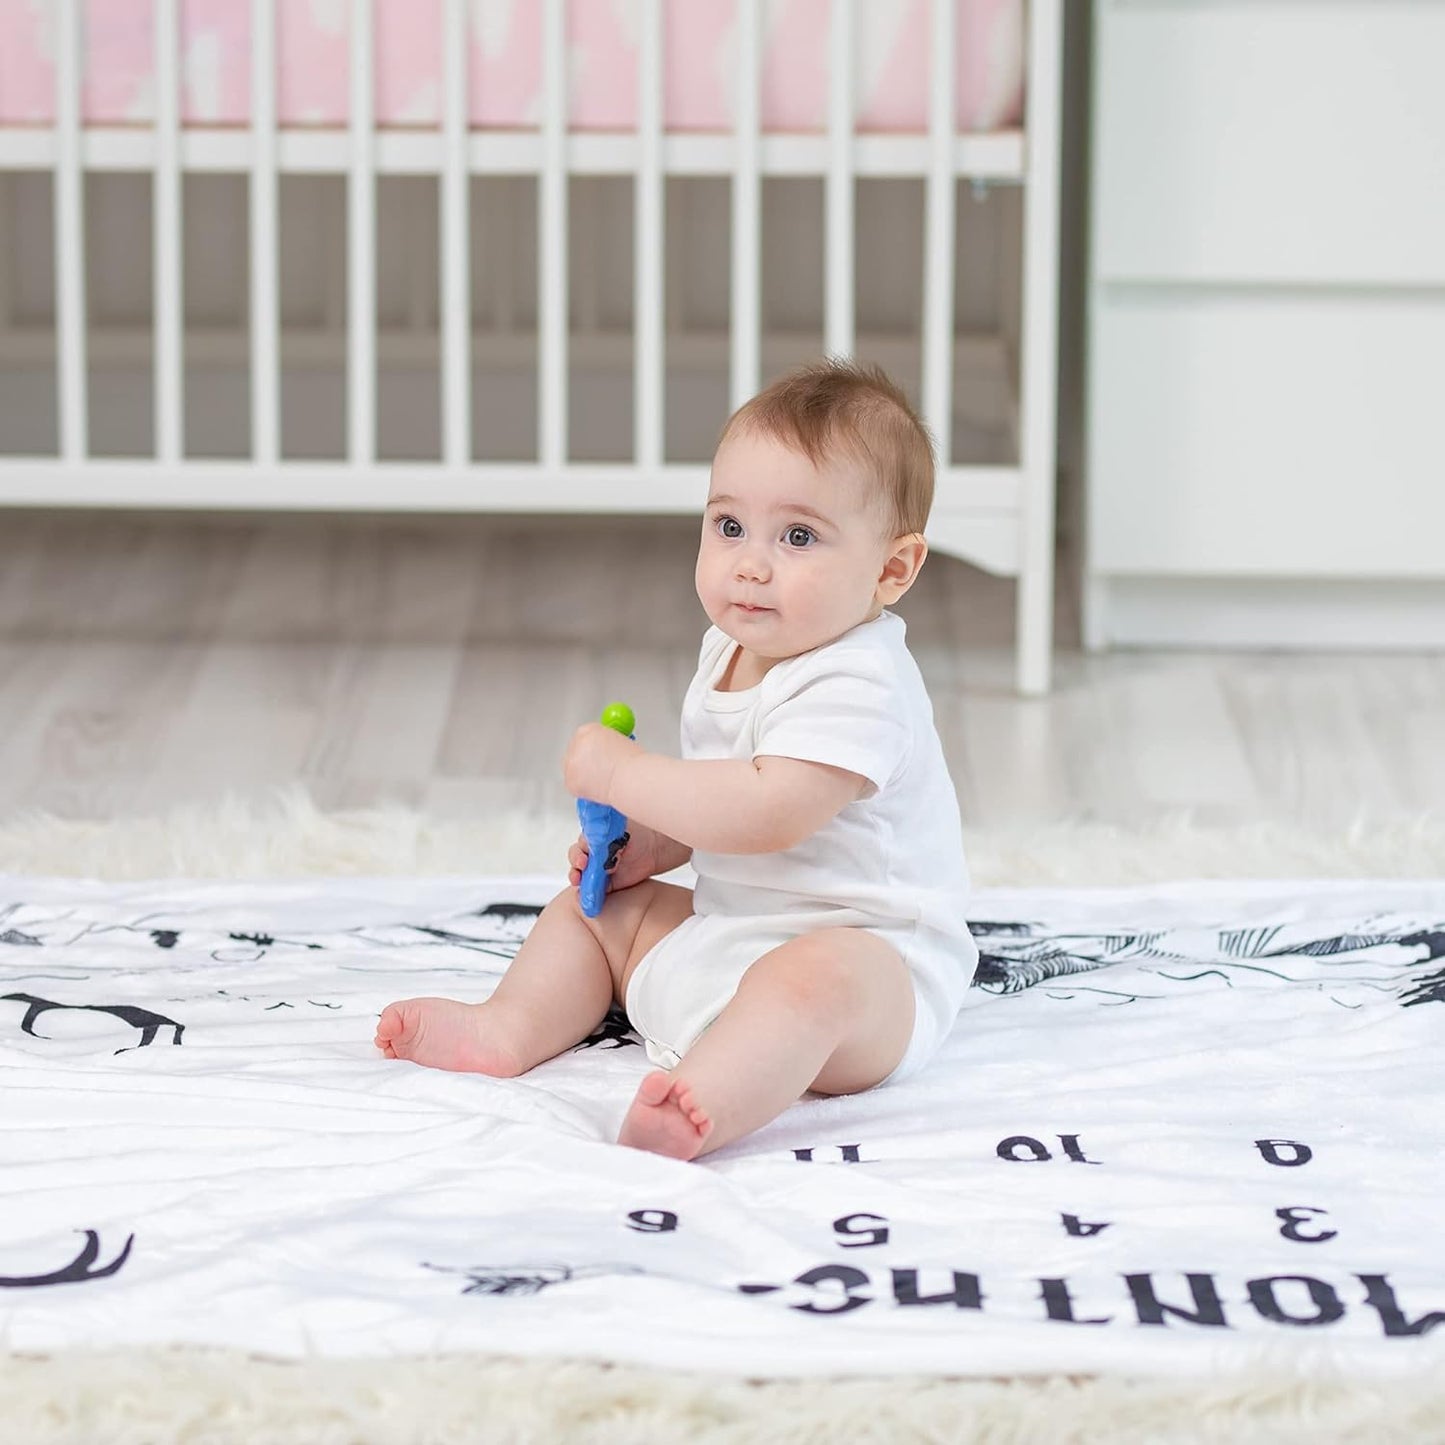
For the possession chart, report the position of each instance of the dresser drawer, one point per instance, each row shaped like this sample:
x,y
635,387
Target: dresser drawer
x,y
1246,434
1297,142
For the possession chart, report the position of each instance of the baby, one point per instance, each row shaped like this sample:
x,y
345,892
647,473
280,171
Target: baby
x,y
824,947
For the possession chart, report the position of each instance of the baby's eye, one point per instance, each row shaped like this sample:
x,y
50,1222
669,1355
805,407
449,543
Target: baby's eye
x,y
730,527
800,536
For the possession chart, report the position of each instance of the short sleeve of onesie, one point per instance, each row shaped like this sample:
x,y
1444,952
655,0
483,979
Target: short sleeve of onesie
x,y
841,708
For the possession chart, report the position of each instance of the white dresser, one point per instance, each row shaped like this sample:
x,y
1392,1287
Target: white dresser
x,y
1266,311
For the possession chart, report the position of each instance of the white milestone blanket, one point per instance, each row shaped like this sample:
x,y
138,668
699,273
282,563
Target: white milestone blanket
x,y
1175,1129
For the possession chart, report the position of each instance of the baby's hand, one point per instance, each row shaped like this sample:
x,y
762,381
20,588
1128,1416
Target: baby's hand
x,y
636,860
592,758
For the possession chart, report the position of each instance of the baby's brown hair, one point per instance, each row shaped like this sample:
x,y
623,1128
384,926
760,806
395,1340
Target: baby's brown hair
x,y
835,408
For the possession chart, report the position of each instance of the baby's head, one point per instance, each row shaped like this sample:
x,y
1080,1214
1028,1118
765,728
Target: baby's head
x,y
821,488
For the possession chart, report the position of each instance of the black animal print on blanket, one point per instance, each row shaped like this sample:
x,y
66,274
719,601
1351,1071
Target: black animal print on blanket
x,y
79,1270
1017,956
144,1020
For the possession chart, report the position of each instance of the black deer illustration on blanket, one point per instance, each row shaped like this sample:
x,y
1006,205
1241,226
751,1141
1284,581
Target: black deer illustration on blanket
x,y
146,1021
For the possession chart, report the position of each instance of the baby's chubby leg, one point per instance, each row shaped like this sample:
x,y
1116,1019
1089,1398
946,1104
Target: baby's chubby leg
x,y
831,1011
569,969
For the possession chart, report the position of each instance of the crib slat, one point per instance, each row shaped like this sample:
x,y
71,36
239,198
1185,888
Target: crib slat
x,y
747,210
1039,347
838,339
169,279
939,239
7,289
265,314
456,294
552,236
69,201
648,245
361,252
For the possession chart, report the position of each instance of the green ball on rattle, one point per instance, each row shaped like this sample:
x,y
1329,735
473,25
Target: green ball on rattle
x,y
619,717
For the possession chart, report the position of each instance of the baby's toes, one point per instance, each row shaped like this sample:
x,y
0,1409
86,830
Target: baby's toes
x,y
392,1027
654,1088
689,1106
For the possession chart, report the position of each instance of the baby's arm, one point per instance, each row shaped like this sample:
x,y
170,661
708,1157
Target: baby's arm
x,y
667,853
732,806
646,854
720,806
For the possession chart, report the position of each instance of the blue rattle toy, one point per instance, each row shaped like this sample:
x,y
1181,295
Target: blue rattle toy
x,y
604,828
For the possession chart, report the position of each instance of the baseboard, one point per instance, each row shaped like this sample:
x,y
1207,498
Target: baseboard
x,y
1253,613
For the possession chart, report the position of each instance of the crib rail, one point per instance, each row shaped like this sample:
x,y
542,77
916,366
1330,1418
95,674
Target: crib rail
x,y
999,156
998,516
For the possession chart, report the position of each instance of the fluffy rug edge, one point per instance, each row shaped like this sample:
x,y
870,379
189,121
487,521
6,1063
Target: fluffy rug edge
x,y
218,1396
282,833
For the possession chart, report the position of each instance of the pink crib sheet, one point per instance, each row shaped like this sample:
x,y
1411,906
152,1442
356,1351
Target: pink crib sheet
x,y
891,64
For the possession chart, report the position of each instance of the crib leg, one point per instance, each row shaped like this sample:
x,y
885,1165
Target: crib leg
x,y
1034,625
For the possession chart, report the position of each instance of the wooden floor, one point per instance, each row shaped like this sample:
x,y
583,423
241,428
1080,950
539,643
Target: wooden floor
x,y
442,664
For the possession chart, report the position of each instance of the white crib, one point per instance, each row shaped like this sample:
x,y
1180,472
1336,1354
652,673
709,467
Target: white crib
x,y
437,325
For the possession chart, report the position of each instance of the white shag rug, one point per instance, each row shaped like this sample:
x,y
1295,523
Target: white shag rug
x,y
210,1397
283,834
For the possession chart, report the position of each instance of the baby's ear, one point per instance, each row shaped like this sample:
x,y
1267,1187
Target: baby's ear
x,y
901,567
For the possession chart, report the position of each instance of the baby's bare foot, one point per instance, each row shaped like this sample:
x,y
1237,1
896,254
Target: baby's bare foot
x,y
665,1118
444,1034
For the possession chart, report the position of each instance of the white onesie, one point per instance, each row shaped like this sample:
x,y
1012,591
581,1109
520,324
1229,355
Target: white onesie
x,y
891,862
